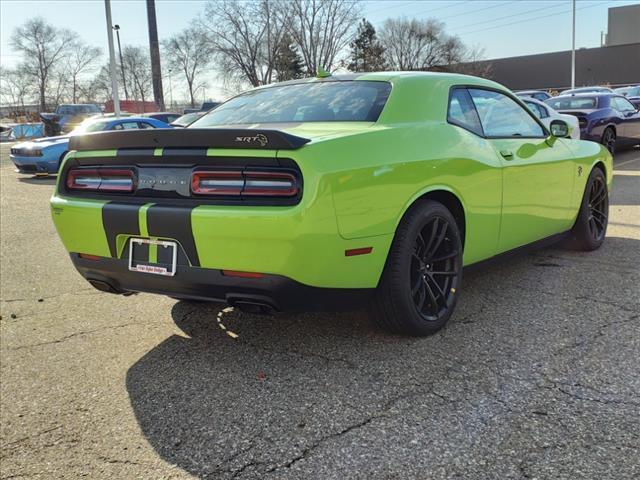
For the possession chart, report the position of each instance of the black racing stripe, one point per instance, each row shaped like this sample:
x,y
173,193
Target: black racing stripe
x,y
135,152
175,223
119,218
183,152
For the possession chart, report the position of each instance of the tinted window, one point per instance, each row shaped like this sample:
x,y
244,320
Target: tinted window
x,y
622,104
501,116
572,103
333,101
535,108
145,125
462,112
126,126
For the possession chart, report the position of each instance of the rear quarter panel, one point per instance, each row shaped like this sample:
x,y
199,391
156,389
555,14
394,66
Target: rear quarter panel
x,y
375,177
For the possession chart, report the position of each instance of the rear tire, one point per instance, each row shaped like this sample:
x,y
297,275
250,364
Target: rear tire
x,y
419,287
609,139
589,231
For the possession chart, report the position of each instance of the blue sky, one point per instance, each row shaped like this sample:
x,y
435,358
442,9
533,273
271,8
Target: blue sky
x,y
503,28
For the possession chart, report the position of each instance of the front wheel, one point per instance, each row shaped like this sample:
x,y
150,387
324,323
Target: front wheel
x,y
420,284
593,217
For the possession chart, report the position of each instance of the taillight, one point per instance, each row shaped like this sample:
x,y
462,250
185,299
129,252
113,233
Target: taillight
x,y
251,183
270,184
220,182
101,179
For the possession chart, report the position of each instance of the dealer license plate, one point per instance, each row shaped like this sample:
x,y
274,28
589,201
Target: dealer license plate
x,y
147,255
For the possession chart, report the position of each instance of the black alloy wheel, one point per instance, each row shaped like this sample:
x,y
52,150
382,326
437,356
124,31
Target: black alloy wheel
x,y
598,209
609,140
434,271
421,281
590,229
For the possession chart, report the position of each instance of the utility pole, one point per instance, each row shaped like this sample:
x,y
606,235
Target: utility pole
x,y
112,60
124,82
573,48
156,71
170,90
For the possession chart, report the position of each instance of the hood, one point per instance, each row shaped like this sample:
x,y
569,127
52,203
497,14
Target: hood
x,y
43,142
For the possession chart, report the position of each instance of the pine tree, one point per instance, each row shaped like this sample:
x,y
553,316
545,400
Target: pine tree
x,y
288,63
367,53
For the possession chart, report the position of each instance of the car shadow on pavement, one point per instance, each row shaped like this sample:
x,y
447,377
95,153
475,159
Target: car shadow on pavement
x,y
239,394
48,180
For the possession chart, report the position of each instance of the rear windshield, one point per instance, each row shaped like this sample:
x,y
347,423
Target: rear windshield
x,y
333,101
572,103
76,109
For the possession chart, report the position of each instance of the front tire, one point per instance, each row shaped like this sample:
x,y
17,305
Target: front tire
x,y
419,287
593,217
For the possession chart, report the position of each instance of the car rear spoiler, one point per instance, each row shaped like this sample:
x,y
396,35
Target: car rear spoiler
x,y
188,138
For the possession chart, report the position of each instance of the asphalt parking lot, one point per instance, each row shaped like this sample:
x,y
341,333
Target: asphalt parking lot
x,y
536,376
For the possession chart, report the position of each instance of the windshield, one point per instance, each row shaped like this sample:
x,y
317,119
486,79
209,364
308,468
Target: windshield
x,y
87,127
333,101
77,109
572,103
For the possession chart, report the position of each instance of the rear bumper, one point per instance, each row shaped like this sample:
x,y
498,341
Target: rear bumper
x,y
273,292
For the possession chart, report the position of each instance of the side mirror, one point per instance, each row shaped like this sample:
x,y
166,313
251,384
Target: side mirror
x,y
559,129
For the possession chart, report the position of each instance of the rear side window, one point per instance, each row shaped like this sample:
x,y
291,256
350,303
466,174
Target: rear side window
x,y
503,117
572,103
622,104
539,111
462,112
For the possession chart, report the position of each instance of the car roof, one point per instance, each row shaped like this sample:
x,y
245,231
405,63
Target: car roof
x,y
395,77
589,94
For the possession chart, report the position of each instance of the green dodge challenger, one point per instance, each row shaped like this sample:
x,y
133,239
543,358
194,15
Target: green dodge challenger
x,y
329,193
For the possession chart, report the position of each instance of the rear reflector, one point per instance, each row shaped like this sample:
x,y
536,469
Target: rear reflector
x,y
86,256
235,273
250,183
101,179
358,251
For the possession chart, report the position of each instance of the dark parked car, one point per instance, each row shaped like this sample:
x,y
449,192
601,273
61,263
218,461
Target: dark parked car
x,y
606,118
186,119
537,94
205,107
67,117
582,90
632,93
166,117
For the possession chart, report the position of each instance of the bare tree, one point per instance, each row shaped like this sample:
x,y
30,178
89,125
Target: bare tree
x,y
79,59
189,52
472,63
413,44
322,29
245,37
99,87
16,86
43,47
137,67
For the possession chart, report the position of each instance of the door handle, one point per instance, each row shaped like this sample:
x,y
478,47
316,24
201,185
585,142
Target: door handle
x,y
507,154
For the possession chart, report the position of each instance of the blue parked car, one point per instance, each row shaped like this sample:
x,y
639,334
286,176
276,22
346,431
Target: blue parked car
x,y
606,118
44,155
